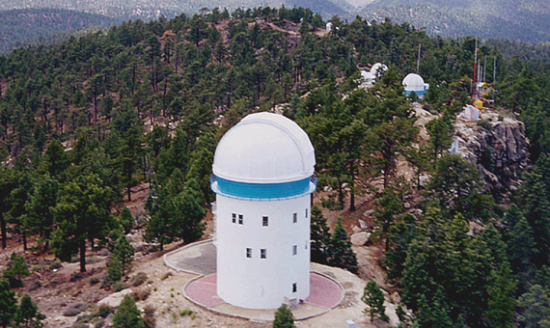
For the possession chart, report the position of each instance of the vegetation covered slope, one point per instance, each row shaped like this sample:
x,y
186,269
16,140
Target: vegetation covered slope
x,y
43,26
84,122
523,20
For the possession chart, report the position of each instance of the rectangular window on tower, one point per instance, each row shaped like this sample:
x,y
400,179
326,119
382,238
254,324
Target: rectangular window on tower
x,y
234,217
249,253
263,253
294,287
306,213
241,219
265,221
294,250
295,218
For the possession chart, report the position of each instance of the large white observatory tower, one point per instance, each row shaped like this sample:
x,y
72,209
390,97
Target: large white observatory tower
x,y
263,179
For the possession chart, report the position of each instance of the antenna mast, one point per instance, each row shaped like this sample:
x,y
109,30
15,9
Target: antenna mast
x,y
418,61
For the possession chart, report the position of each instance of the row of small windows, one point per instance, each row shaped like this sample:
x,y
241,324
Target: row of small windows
x,y
265,219
263,252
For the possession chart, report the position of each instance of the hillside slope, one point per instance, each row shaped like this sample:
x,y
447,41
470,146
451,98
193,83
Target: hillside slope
x,y
39,26
525,20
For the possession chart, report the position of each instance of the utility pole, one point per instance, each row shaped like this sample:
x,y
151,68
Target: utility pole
x,y
494,81
418,61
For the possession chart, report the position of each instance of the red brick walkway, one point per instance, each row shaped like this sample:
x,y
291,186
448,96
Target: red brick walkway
x,y
324,292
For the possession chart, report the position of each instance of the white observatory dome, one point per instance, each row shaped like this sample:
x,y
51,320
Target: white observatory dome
x,y
378,68
264,148
413,82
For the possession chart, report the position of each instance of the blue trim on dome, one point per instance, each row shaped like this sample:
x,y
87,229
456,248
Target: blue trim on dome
x,y
263,191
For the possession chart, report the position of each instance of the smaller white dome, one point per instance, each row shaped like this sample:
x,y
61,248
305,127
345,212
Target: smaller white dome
x,y
413,82
367,75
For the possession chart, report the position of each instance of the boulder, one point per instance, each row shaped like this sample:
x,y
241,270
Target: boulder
x,y
360,238
363,225
114,299
368,213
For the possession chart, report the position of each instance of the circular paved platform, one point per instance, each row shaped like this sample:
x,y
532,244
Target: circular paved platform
x,y
200,258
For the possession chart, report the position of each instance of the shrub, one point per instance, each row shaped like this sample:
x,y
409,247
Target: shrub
x,y
56,265
119,285
149,316
139,279
141,294
75,309
127,315
104,310
34,285
186,312
484,124
94,280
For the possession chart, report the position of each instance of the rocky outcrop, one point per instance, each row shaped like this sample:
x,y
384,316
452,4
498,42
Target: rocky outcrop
x,y
498,146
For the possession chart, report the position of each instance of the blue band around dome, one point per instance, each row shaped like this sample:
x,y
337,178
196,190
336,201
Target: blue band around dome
x,y
262,191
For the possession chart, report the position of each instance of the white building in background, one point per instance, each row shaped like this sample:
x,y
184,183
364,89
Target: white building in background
x,y
329,26
263,179
414,82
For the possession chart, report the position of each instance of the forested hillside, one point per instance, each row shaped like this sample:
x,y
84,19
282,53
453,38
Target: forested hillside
x,y
84,123
45,26
522,20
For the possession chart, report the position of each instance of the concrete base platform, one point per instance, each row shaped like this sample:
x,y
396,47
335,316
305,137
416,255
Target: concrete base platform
x,y
200,258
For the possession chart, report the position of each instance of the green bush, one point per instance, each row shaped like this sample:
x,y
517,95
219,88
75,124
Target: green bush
x,y
94,280
139,279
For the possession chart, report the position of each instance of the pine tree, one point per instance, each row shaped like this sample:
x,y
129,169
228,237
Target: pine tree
x,y
8,304
320,236
124,252
17,269
283,318
126,219
82,213
27,315
373,297
535,306
127,315
341,254
114,269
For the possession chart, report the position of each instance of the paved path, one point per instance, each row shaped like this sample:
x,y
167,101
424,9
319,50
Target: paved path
x,y
199,258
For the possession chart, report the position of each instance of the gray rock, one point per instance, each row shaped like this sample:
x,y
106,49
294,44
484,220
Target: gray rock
x,y
368,213
407,205
363,225
360,238
114,299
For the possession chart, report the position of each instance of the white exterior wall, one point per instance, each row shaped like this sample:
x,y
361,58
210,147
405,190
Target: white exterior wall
x,y
257,283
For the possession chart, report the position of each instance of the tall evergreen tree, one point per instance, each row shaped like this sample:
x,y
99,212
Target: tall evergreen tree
x,y
27,315
8,304
374,298
341,254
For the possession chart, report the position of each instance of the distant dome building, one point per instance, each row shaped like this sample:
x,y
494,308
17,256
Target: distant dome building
x,y
378,69
414,82
263,179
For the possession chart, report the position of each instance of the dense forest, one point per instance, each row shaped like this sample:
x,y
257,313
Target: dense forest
x,y
83,123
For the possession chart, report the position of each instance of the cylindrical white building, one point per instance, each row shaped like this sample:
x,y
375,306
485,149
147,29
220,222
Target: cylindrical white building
x,y
263,179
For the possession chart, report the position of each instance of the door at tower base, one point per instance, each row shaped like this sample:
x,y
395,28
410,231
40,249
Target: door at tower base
x,y
263,258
